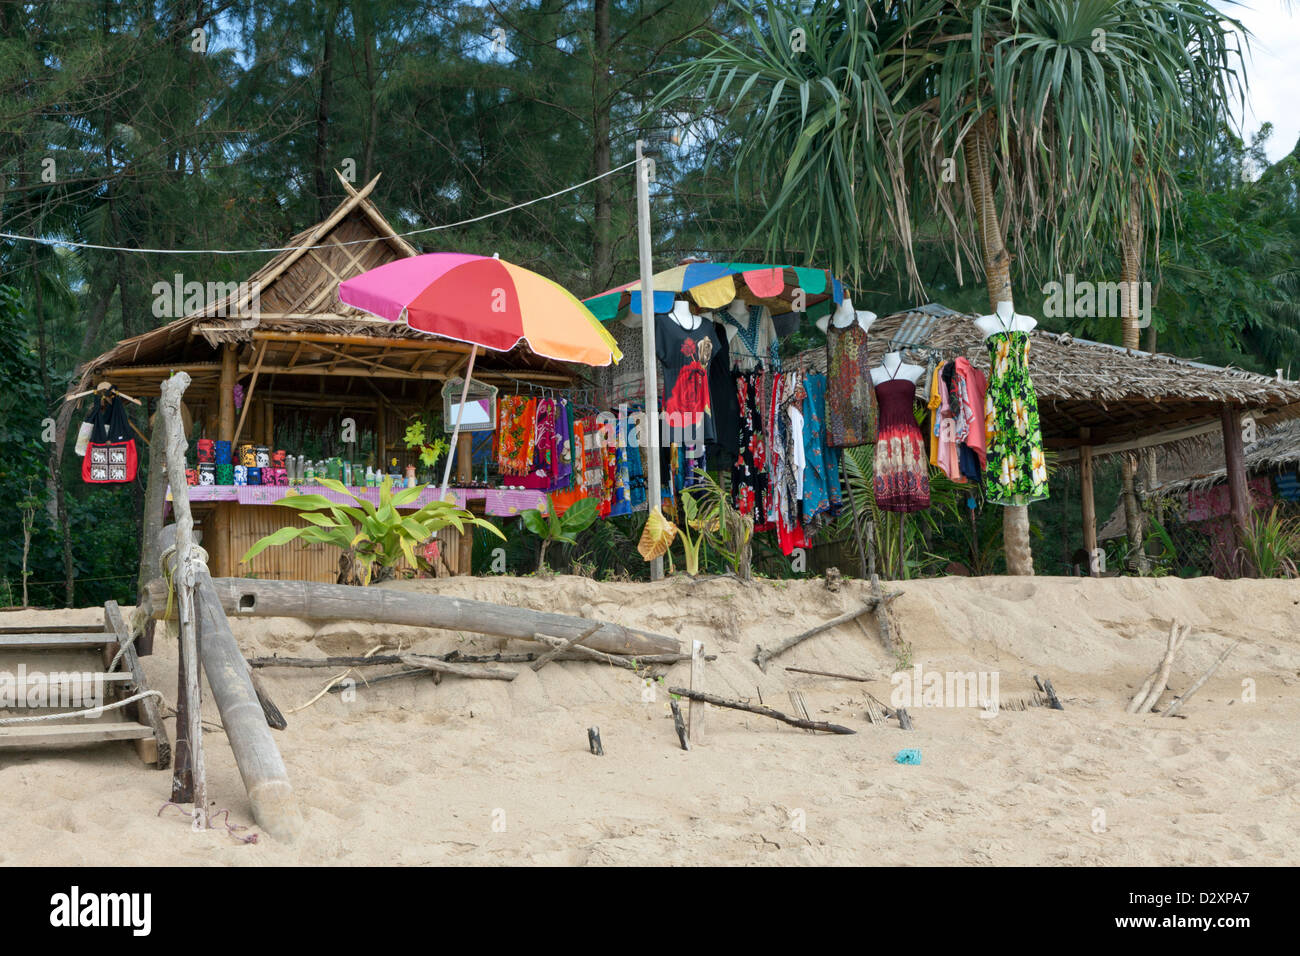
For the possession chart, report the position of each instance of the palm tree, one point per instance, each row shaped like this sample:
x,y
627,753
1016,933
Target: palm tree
x,y
851,116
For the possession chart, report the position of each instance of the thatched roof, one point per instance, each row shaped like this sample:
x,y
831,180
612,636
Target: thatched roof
x,y
1116,393
300,327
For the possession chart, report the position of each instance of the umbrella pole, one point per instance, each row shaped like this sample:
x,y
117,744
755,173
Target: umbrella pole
x,y
460,411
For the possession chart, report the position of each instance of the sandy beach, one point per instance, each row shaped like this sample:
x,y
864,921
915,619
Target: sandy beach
x,y
482,772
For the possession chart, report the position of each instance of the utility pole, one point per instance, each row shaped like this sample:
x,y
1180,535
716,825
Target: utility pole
x,y
653,499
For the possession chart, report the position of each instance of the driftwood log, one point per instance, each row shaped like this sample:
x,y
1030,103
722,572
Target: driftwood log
x,y
593,741
559,649
256,756
460,670
872,603
760,710
679,725
1182,698
244,597
1149,693
804,670
454,656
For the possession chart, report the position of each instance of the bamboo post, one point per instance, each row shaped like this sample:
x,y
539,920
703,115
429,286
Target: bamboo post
x,y
183,570
1234,459
464,475
226,401
155,501
257,758
1087,502
653,497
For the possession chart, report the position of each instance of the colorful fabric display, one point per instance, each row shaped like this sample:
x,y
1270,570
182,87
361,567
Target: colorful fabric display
x,y
275,476
278,458
225,474
514,436
254,476
247,454
902,467
206,451
1016,467
191,476
221,452
241,474
263,456
207,473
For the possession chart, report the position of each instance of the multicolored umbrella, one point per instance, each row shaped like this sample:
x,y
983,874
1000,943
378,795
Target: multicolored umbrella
x,y
712,285
482,301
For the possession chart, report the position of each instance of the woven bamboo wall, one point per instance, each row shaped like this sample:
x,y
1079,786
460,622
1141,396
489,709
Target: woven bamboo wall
x,y
316,562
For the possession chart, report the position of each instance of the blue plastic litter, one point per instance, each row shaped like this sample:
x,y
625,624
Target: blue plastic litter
x,y
908,756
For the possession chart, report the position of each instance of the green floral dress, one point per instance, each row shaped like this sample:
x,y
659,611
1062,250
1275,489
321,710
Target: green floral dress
x,y
1017,473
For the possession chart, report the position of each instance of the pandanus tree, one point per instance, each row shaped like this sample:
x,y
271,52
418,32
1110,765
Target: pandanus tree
x,y
1014,129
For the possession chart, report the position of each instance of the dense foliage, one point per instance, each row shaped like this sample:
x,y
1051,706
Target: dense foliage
x,y
217,124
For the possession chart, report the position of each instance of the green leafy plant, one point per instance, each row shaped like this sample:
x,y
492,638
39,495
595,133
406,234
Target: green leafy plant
x,y
1270,546
374,538
562,528
430,451
709,509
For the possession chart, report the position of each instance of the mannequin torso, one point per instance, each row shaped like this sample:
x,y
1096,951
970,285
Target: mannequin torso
x,y
892,368
1005,319
846,316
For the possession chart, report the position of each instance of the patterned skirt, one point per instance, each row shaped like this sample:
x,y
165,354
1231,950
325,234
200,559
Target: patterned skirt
x,y
902,473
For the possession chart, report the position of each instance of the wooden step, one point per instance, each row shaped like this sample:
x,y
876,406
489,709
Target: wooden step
x,y
55,641
71,677
36,735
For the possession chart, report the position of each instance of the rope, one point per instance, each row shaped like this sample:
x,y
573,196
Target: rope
x,y
351,242
92,712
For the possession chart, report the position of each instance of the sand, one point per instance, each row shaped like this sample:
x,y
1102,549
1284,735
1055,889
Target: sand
x,y
481,772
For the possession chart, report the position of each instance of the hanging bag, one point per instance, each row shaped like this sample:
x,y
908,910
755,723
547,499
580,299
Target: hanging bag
x,y
110,454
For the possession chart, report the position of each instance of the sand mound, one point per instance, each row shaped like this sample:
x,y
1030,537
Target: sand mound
x,y
487,771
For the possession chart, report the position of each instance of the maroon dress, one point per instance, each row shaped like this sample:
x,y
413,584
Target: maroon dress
x,y
902,466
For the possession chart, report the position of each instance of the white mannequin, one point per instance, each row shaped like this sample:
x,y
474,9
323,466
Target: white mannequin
x,y
1005,319
845,315
893,367
682,315
739,310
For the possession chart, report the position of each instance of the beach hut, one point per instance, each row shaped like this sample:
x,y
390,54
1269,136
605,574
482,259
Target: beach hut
x,y
280,349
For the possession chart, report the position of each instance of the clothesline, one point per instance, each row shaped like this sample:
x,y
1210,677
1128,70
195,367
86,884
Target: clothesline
x,y
41,240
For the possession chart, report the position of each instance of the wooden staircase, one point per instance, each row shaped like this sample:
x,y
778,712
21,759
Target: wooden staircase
x,y
68,650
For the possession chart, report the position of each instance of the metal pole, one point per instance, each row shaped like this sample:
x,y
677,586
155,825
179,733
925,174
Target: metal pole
x,y
653,499
460,413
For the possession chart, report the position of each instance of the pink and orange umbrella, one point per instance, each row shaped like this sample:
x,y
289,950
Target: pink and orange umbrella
x,y
485,302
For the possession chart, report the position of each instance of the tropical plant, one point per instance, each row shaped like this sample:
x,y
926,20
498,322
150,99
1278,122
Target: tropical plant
x,y
374,539
729,533
430,451
1270,546
553,528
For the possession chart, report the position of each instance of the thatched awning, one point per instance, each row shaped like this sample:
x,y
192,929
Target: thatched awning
x,y
301,330
1115,393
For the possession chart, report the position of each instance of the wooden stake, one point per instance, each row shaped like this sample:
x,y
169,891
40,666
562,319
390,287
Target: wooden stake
x,y
680,725
695,722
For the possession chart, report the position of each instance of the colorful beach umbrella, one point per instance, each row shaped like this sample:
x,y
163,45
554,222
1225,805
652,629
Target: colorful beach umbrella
x,y
485,302
712,285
